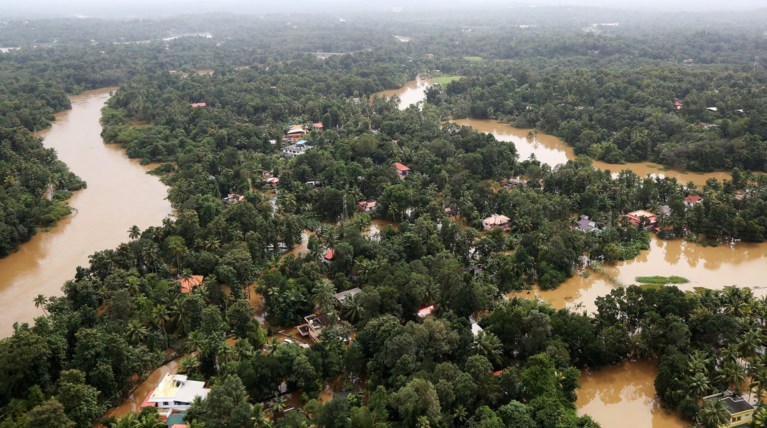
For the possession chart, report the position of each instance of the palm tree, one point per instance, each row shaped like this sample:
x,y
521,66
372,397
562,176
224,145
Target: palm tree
x,y
733,374
160,318
698,362
177,248
278,405
698,385
258,417
134,232
194,342
188,364
488,345
760,418
460,414
136,332
40,302
352,309
713,414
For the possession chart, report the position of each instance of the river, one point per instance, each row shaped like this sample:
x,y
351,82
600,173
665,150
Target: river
x,y
120,194
626,392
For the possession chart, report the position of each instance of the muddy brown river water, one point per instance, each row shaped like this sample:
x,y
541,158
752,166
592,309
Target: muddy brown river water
x,y
120,194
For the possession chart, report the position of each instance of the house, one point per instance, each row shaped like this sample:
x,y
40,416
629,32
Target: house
x,y
314,325
586,225
678,105
328,256
425,311
691,200
199,105
233,198
273,181
187,284
318,126
314,183
449,212
402,170
296,149
366,206
496,221
342,296
294,134
636,218
714,109
475,328
517,182
176,393
741,411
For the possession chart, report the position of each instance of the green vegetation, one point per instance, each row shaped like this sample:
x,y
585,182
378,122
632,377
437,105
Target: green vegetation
x,y
124,314
444,80
661,280
473,58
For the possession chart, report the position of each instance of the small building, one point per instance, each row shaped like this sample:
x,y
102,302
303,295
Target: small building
x,y
586,225
328,256
367,206
314,325
233,198
496,221
425,311
342,296
187,284
402,170
314,183
199,105
691,200
176,393
296,149
517,182
636,218
714,109
273,181
294,134
475,328
677,105
318,126
449,211
740,410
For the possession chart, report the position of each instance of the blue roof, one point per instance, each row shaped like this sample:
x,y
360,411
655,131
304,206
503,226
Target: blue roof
x,y
301,142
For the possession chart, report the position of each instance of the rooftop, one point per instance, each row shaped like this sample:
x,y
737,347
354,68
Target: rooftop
x,y
342,296
177,388
736,404
188,284
400,167
425,311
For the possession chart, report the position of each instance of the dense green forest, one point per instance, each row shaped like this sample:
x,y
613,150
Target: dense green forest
x,y
123,315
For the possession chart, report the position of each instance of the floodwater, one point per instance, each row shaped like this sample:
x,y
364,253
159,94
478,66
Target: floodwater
x,y
624,396
120,194
742,265
132,404
412,92
546,148
553,151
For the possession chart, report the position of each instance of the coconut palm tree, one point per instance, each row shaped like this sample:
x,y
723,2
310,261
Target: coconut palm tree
x,y
713,414
134,232
188,364
259,418
698,385
488,345
733,374
136,332
352,309
40,302
160,318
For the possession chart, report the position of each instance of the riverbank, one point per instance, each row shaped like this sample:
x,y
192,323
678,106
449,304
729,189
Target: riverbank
x,y
120,194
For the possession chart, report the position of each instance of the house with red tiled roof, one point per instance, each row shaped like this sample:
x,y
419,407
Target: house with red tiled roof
x,y
366,206
318,126
199,105
425,311
187,284
691,200
328,256
402,170
636,217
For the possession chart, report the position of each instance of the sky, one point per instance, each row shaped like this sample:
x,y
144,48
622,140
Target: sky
x,y
149,8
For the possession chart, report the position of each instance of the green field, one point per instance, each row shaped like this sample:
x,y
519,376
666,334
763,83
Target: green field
x,y
660,280
444,80
473,58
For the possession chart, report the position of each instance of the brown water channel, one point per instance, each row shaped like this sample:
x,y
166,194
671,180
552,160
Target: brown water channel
x,y
120,194
624,395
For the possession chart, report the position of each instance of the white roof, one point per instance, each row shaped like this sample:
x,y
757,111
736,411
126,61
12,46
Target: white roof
x,y
476,329
175,387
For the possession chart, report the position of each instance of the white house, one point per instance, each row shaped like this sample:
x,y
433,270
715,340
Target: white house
x,y
176,393
294,150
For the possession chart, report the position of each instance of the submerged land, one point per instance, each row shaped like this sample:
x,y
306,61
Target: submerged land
x,y
361,211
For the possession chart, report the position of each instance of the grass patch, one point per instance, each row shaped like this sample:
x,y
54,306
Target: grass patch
x,y
661,280
473,58
444,80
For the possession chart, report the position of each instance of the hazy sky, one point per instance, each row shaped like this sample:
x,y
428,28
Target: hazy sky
x,y
146,8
